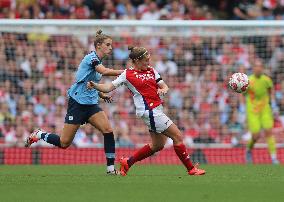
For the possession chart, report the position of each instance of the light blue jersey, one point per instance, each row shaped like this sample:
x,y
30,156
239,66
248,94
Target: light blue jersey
x,y
86,72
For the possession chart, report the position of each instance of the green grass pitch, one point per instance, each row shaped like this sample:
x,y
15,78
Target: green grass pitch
x,y
148,183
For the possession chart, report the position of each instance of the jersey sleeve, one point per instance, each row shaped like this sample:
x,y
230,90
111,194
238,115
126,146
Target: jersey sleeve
x,y
120,80
94,61
158,77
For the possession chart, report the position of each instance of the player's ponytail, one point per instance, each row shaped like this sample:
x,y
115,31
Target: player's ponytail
x,y
130,48
100,37
99,32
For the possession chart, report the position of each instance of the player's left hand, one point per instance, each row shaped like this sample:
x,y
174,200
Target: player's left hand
x,y
162,92
107,98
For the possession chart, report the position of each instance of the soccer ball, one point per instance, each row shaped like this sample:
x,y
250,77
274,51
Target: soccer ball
x,y
239,82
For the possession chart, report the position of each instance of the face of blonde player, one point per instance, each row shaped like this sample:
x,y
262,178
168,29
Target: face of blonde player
x,y
105,48
258,68
143,63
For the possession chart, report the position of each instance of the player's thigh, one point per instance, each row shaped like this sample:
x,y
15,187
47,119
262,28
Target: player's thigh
x,y
76,113
267,118
254,123
68,133
158,141
100,121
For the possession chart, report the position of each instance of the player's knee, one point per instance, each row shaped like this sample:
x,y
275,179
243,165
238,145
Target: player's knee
x,y
63,146
156,148
177,138
255,138
106,130
268,133
65,143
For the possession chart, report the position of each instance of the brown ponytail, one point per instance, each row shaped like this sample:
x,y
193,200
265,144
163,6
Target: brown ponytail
x,y
130,48
100,37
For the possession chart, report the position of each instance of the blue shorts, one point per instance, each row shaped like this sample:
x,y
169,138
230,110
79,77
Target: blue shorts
x,y
79,113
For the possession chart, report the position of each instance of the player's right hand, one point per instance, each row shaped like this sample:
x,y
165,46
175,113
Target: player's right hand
x,y
91,85
107,98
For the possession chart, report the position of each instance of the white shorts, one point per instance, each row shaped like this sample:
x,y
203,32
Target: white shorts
x,y
156,120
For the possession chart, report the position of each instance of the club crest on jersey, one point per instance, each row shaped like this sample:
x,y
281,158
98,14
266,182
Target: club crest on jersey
x,y
143,77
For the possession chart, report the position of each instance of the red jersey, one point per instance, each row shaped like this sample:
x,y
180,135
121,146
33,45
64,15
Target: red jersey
x,y
144,87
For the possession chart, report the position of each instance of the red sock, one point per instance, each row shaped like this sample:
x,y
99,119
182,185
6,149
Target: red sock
x,y
183,156
139,155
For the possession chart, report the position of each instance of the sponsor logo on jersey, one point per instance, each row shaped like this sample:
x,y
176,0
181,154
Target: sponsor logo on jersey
x,y
143,77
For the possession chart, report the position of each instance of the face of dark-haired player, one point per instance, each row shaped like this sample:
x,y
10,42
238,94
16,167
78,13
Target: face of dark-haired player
x,y
258,68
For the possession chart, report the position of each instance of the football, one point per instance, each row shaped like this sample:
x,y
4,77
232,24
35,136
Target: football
x,y
239,82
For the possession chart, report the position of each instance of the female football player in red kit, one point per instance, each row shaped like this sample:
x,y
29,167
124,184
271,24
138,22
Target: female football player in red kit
x,y
147,87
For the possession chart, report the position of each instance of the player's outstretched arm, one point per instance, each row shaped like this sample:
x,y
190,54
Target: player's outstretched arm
x,y
105,87
107,71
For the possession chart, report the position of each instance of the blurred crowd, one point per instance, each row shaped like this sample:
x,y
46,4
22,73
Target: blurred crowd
x,y
35,74
143,9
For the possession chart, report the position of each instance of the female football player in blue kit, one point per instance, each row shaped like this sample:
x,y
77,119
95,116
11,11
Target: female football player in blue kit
x,y
83,104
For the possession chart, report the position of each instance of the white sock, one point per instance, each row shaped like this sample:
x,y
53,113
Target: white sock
x,y
273,157
110,168
38,134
